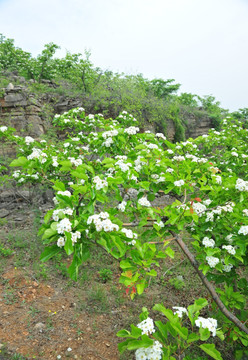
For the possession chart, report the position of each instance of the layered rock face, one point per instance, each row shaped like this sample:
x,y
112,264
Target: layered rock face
x,y
21,111
31,114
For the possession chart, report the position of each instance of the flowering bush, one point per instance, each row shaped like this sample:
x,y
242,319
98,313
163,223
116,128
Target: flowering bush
x,y
106,170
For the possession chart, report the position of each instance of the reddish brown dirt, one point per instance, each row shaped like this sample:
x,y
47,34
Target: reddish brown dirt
x,y
29,303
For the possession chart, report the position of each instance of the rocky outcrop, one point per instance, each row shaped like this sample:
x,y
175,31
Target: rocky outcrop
x,y
31,114
21,110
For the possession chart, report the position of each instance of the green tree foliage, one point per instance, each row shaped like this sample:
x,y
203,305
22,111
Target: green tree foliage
x,y
151,101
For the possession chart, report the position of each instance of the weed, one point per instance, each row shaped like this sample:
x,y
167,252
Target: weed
x,y
5,251
9,297
105,275
178,282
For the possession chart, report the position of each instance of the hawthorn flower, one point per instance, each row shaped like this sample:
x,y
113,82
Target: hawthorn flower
x,y
64,193
212,261
147,326
230,249
3,128
64,225
153,352
122,206
209,323
75,236
132,130
241,185
208,243
180,311
29,140
160,135
61,242
179,183
245,212
227,268
144,202
243,230
99,183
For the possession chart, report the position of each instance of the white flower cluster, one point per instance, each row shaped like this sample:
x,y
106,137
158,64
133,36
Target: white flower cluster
x,y
230,249
212,261
132,130
208,243
160,135
3,128
209,323
64,193
243,230
29,140
38,154
233,153
102,222
74,236
74,161
245,212
152,146
178,158
144,202
228,207
169,170
99,183
180,311
218,179
157,178
153,352
122,206
64,225
66,211
199,208
108,142
147,326
130,235
61,242
227,268
55,161
179,183
241,185
108,134
138,163
123,166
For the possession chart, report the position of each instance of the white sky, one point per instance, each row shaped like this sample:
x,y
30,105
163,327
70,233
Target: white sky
x,y
202,44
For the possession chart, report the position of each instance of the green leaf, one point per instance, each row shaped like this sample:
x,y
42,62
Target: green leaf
x,y
73,268
117,180
182,331
49,233
152,273
48,216
136,344
192,338
141,288
144,184
169,252
135,331
211,351
167,312
69,249
21,161
123,333
49,252
204,334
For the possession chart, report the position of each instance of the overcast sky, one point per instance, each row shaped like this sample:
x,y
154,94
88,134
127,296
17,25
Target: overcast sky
x,y
202,44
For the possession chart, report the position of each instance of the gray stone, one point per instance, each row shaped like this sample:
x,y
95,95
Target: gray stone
x,y
39,327
10,87
4,213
